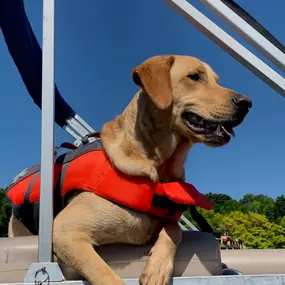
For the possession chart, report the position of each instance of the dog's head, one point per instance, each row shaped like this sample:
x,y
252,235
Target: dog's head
x,y
202,110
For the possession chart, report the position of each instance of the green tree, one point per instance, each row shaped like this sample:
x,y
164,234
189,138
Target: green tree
x,y
260,204
253,229
230,206
260,232
5,212
282,222
218,200
279,208
247,199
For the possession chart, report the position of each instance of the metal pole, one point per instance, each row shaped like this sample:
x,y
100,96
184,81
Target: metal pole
x,y
246,31
229,44
47,136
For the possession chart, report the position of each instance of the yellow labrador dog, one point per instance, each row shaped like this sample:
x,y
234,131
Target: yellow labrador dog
x,y
179,103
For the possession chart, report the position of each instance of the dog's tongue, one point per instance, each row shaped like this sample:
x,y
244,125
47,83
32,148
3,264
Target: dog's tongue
x,y
187,194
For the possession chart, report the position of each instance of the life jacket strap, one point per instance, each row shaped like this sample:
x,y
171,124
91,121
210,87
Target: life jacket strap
x,y
200,220
64,145
85,140
164,202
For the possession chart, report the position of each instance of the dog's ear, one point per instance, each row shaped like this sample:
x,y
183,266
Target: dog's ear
x,y
153,76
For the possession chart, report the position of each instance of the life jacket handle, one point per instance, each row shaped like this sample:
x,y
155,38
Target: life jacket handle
x,y
64,145
94,135
72,146
85,140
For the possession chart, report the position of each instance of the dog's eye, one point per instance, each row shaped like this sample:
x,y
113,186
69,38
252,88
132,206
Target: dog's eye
x,y
194,77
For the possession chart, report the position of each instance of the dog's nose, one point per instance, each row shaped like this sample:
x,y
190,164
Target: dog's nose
x,y
241,101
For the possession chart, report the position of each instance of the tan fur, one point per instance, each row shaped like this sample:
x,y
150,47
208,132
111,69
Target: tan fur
x,y
148,139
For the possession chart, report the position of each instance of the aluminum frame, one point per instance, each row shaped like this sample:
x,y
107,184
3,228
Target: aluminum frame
x,y
48,270
229,44
247,32
223,280
268,279
47,135
77,128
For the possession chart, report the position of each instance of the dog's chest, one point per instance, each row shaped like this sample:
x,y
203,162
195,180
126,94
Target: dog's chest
x,y
143,227
130,227
111,223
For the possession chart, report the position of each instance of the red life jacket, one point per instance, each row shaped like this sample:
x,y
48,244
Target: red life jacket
x,y
87,168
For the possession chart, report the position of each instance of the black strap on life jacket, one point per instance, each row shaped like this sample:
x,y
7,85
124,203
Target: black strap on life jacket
x,y
164,202
172,207
200,220
66,145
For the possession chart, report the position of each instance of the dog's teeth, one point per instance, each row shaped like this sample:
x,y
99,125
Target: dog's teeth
x,y
233,133
226,131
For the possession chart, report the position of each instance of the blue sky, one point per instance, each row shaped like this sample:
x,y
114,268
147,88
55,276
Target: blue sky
x,y
97,45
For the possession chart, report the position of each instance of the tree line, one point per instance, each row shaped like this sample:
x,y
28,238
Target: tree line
x,y
258,221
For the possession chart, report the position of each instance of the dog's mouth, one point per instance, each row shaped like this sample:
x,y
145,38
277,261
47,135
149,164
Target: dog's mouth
x,y
215,132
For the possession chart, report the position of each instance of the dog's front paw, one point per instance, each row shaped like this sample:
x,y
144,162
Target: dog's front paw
x,y
158,270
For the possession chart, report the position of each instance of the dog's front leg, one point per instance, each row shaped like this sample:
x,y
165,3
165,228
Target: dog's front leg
x,y
159,267
75,233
